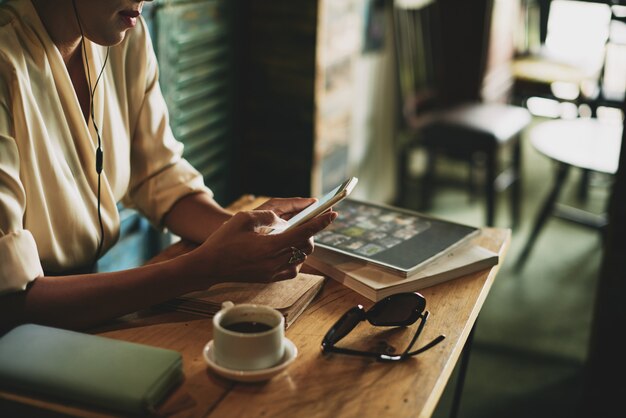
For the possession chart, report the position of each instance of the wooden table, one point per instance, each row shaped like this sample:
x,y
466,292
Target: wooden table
x,y
318,385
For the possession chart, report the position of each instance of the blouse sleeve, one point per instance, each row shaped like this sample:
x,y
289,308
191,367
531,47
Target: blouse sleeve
x,y
19,258
159,174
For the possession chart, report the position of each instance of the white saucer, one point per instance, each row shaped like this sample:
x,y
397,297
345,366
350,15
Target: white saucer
x,y
291,352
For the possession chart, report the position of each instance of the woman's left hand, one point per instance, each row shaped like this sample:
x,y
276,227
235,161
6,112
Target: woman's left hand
x,y
286,208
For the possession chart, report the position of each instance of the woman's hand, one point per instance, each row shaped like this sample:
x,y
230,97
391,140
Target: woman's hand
x,y
286,208
238,252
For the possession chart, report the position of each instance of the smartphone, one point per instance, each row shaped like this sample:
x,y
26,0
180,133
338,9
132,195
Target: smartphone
x,y
321,206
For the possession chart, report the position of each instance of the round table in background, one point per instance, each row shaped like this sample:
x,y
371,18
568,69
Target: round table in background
x,y
584,143
588,144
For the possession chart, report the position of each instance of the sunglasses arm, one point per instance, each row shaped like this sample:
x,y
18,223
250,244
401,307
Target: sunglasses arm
x,y
431,344
427,346
339,350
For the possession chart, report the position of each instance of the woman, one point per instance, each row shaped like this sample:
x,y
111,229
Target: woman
x,y
78,80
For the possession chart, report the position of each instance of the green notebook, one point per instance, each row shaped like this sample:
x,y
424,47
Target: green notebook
x,y
87,369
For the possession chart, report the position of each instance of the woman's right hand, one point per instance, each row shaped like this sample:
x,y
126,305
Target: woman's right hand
x,y
238,252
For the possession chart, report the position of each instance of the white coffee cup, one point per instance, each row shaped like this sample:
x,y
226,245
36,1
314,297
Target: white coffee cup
x,y
248,336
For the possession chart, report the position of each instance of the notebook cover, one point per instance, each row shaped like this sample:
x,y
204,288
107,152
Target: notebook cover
x,y
397,240
290,297
87,369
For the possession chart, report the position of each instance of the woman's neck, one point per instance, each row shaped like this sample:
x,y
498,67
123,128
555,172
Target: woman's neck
x,y
60,22
58,18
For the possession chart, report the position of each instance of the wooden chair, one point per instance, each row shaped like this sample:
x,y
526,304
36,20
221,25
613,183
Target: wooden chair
x,y
477,132
449,122
568,63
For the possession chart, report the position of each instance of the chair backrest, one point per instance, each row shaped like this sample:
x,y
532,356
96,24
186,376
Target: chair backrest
x,y
416,50
441,49
577,33
503,40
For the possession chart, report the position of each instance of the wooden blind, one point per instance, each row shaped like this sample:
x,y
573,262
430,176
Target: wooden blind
x,y
192,40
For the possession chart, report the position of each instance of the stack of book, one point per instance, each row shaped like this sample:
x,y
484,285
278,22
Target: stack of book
x,y
380,250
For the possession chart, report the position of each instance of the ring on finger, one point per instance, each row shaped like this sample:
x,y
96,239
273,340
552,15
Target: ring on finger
x,y
297,256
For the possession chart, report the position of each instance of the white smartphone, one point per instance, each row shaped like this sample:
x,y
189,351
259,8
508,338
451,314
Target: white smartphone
x,y
321,206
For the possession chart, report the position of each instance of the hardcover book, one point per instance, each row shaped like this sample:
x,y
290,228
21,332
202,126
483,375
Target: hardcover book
x,y
396,240
375,283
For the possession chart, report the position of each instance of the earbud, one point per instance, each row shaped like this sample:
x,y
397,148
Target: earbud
x,y
99,158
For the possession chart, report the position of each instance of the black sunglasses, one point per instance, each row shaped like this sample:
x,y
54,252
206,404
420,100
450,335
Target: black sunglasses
x,y
401,309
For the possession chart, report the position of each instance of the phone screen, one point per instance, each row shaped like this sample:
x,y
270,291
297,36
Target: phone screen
x,y
322,205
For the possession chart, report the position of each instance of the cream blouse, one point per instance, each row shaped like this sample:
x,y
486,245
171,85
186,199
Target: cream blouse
x,y
48,180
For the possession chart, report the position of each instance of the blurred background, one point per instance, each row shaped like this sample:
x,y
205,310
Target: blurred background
x,y
504,113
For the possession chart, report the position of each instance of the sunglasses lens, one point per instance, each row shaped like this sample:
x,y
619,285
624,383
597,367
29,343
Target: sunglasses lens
x,y
398,309
344,325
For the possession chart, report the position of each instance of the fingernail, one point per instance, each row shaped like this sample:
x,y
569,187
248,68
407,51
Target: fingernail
x,y
333,216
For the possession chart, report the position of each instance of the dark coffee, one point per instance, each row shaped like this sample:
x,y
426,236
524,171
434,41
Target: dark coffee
x,y
248,327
